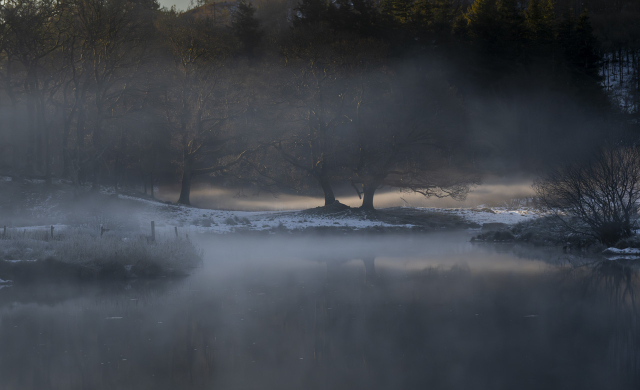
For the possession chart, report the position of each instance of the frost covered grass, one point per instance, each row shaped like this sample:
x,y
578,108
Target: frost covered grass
x,y
89,256
89,250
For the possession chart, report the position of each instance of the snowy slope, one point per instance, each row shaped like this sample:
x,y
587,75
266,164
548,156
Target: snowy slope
x,y
193,219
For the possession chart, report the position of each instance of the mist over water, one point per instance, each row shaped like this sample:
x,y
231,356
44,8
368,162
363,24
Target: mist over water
x,y
334,312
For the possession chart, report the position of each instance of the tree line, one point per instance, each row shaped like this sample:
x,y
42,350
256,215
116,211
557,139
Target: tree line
x,y
420,95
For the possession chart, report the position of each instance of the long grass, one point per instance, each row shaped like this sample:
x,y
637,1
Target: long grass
x,y
90,250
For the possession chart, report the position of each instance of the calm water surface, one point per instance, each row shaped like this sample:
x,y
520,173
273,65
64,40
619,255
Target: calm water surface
x,y
369,312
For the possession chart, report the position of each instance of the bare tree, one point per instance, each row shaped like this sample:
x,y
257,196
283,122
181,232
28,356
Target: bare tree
x,y
411,134
107,46
33,34
320,87
599,198
203,99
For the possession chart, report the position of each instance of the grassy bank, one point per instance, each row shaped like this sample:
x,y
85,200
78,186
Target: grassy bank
x,y
79,255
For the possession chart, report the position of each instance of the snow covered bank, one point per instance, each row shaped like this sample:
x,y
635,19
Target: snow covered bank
x,y
482,215
35,208
195,220
625,251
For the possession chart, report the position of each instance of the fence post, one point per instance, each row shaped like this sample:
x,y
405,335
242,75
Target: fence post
x,y
175,228
51,231
4,232
153,231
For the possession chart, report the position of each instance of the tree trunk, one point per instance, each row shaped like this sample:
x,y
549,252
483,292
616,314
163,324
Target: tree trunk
x,y
16,154
31,133
367,198
80,146
97,146
116,172
46,143
48,175
66,158
16,162
153,195
185,188
325,183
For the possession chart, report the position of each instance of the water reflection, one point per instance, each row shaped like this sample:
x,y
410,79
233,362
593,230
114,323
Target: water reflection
x,y
377,313
616,282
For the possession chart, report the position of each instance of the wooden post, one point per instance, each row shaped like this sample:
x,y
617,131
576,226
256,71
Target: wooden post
x,y
175,228
4,232
153,231
52,231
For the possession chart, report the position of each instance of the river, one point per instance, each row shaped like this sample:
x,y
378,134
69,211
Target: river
x,y
429,311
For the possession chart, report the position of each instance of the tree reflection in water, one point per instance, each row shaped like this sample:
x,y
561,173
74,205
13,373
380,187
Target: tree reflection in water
x,y
618,280
332,323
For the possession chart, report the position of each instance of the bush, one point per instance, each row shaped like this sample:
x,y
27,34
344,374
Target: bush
x,y
598,198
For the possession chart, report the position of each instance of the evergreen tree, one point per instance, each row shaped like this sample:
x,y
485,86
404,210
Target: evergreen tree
x,y
398,12
444,15
587,53
246,27
423,14
566,30
353,15
310,12
541,21
482,21
513,21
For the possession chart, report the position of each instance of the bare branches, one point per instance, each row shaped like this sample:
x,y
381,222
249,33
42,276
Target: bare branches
x,y
602,194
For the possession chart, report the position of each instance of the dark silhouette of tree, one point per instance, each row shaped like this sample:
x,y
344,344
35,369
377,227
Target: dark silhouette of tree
x,y
246,27
541,23
411,135
84,84
33,34
587,58
310,12
203,96
360,16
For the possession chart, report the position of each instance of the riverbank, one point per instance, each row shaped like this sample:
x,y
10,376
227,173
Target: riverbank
x,y
31,205
77,255
66,232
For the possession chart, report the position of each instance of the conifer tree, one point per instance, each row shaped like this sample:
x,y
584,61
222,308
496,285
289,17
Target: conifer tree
x,y
246,27
586,45
353,15
309,12
512,17
482,20
541,21
398,12
566,30
423,13
444,15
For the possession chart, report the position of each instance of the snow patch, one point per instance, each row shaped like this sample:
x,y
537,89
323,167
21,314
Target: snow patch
x,y
19,261
482,215
626,251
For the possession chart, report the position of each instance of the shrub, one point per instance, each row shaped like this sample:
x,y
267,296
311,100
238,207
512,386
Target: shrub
x,y
598,198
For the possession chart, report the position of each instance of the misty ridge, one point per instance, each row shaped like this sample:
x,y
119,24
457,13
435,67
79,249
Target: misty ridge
x,y
424,96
